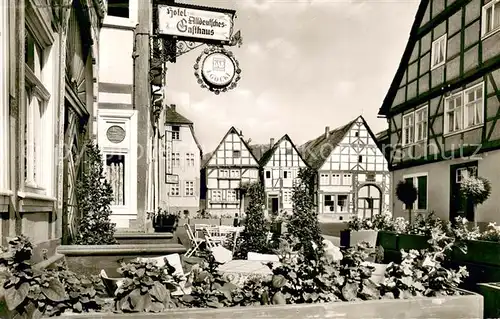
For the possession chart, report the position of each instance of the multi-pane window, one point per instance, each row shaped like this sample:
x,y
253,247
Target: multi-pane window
x,y
176,159
231,195
37,97
474,106
190,159
335,179
287,174
408,128
464,109
287,197
465,172
347,179
491,17
188,188
174,190
421,124
176,133
438,54
336,203
235,173
115,175
324,179
224,173
236,154
420,183
342,203
216,195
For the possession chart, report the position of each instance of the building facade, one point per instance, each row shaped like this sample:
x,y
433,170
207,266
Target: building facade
x,y
443,106
225,170
353,178
48,99
280,166
180,168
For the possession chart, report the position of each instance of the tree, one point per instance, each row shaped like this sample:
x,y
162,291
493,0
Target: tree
x,y
407,193
475,190
254,237
303,224
94,196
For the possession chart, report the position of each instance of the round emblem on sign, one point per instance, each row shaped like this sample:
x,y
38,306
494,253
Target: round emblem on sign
x,y
217,70
115,134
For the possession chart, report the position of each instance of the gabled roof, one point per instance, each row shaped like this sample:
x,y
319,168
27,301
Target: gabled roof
x,y
269,154
172,117
389,98
315,152
232,130
258,150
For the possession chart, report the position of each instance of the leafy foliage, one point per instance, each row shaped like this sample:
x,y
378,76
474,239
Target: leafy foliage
x,y
407,193
95,196
146,287
254,237
303,223
425,224
475,189
163,218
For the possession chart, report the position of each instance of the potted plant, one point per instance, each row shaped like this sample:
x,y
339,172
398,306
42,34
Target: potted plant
x,y
407,193
164,222
359,230
476,191
205,218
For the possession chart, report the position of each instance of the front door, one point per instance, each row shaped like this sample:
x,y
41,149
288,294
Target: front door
x,y
458,205
273,204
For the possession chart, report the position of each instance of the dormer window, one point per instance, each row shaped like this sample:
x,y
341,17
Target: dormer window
x,y
438,54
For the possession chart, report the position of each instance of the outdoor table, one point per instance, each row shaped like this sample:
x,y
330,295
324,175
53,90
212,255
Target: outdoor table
x,y
238,271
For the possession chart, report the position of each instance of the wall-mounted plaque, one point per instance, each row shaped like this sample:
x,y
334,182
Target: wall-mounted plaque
x,y
115,134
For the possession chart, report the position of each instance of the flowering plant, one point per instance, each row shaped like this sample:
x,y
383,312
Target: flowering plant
x,y
492,233
460,230
400,225
477,189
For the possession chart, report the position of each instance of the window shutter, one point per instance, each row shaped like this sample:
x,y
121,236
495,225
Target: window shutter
x,y
422,192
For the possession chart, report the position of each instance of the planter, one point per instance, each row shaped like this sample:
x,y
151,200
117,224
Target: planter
x,y
165,223
479,251
350,238
91,259
417,242
464,306
227,221
388,240
491,296
204,221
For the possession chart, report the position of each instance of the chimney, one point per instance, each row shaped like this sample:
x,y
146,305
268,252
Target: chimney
x,y
271,142
327,131
241,133
172,106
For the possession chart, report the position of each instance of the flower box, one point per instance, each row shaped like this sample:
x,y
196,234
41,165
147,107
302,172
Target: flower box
x,y
388,240
408,242
227,221
165,223
491,296
480,252
469,305
350,238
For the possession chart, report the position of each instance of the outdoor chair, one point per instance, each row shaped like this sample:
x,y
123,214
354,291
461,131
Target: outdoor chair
x,y
194,241
213,241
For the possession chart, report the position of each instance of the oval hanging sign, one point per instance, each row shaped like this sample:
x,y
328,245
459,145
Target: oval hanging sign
x,y
217,70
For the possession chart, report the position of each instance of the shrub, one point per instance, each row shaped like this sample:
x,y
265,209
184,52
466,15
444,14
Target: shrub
x,y
95,196
303,222
407,193
254,237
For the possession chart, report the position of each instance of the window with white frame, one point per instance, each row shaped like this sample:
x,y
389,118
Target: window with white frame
x,y
37,97
342,203
336,179
438,53
287,197
188,188
464,109
231,195
420,182
224,173
174,190
408,128
176,159
324,179
287,174
421,124
465,172
347,179
190,159
216,195
176,133
491,17
473,105
235,173
116,177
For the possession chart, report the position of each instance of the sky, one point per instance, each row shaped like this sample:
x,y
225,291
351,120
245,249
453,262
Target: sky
x,y
306,64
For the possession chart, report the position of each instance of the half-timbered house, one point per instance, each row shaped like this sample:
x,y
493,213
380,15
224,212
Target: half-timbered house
x,y
443,107
225,170
280,166
353,178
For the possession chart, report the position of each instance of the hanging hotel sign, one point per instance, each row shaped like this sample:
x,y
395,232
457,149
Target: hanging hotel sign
x,y
217,70
189,22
